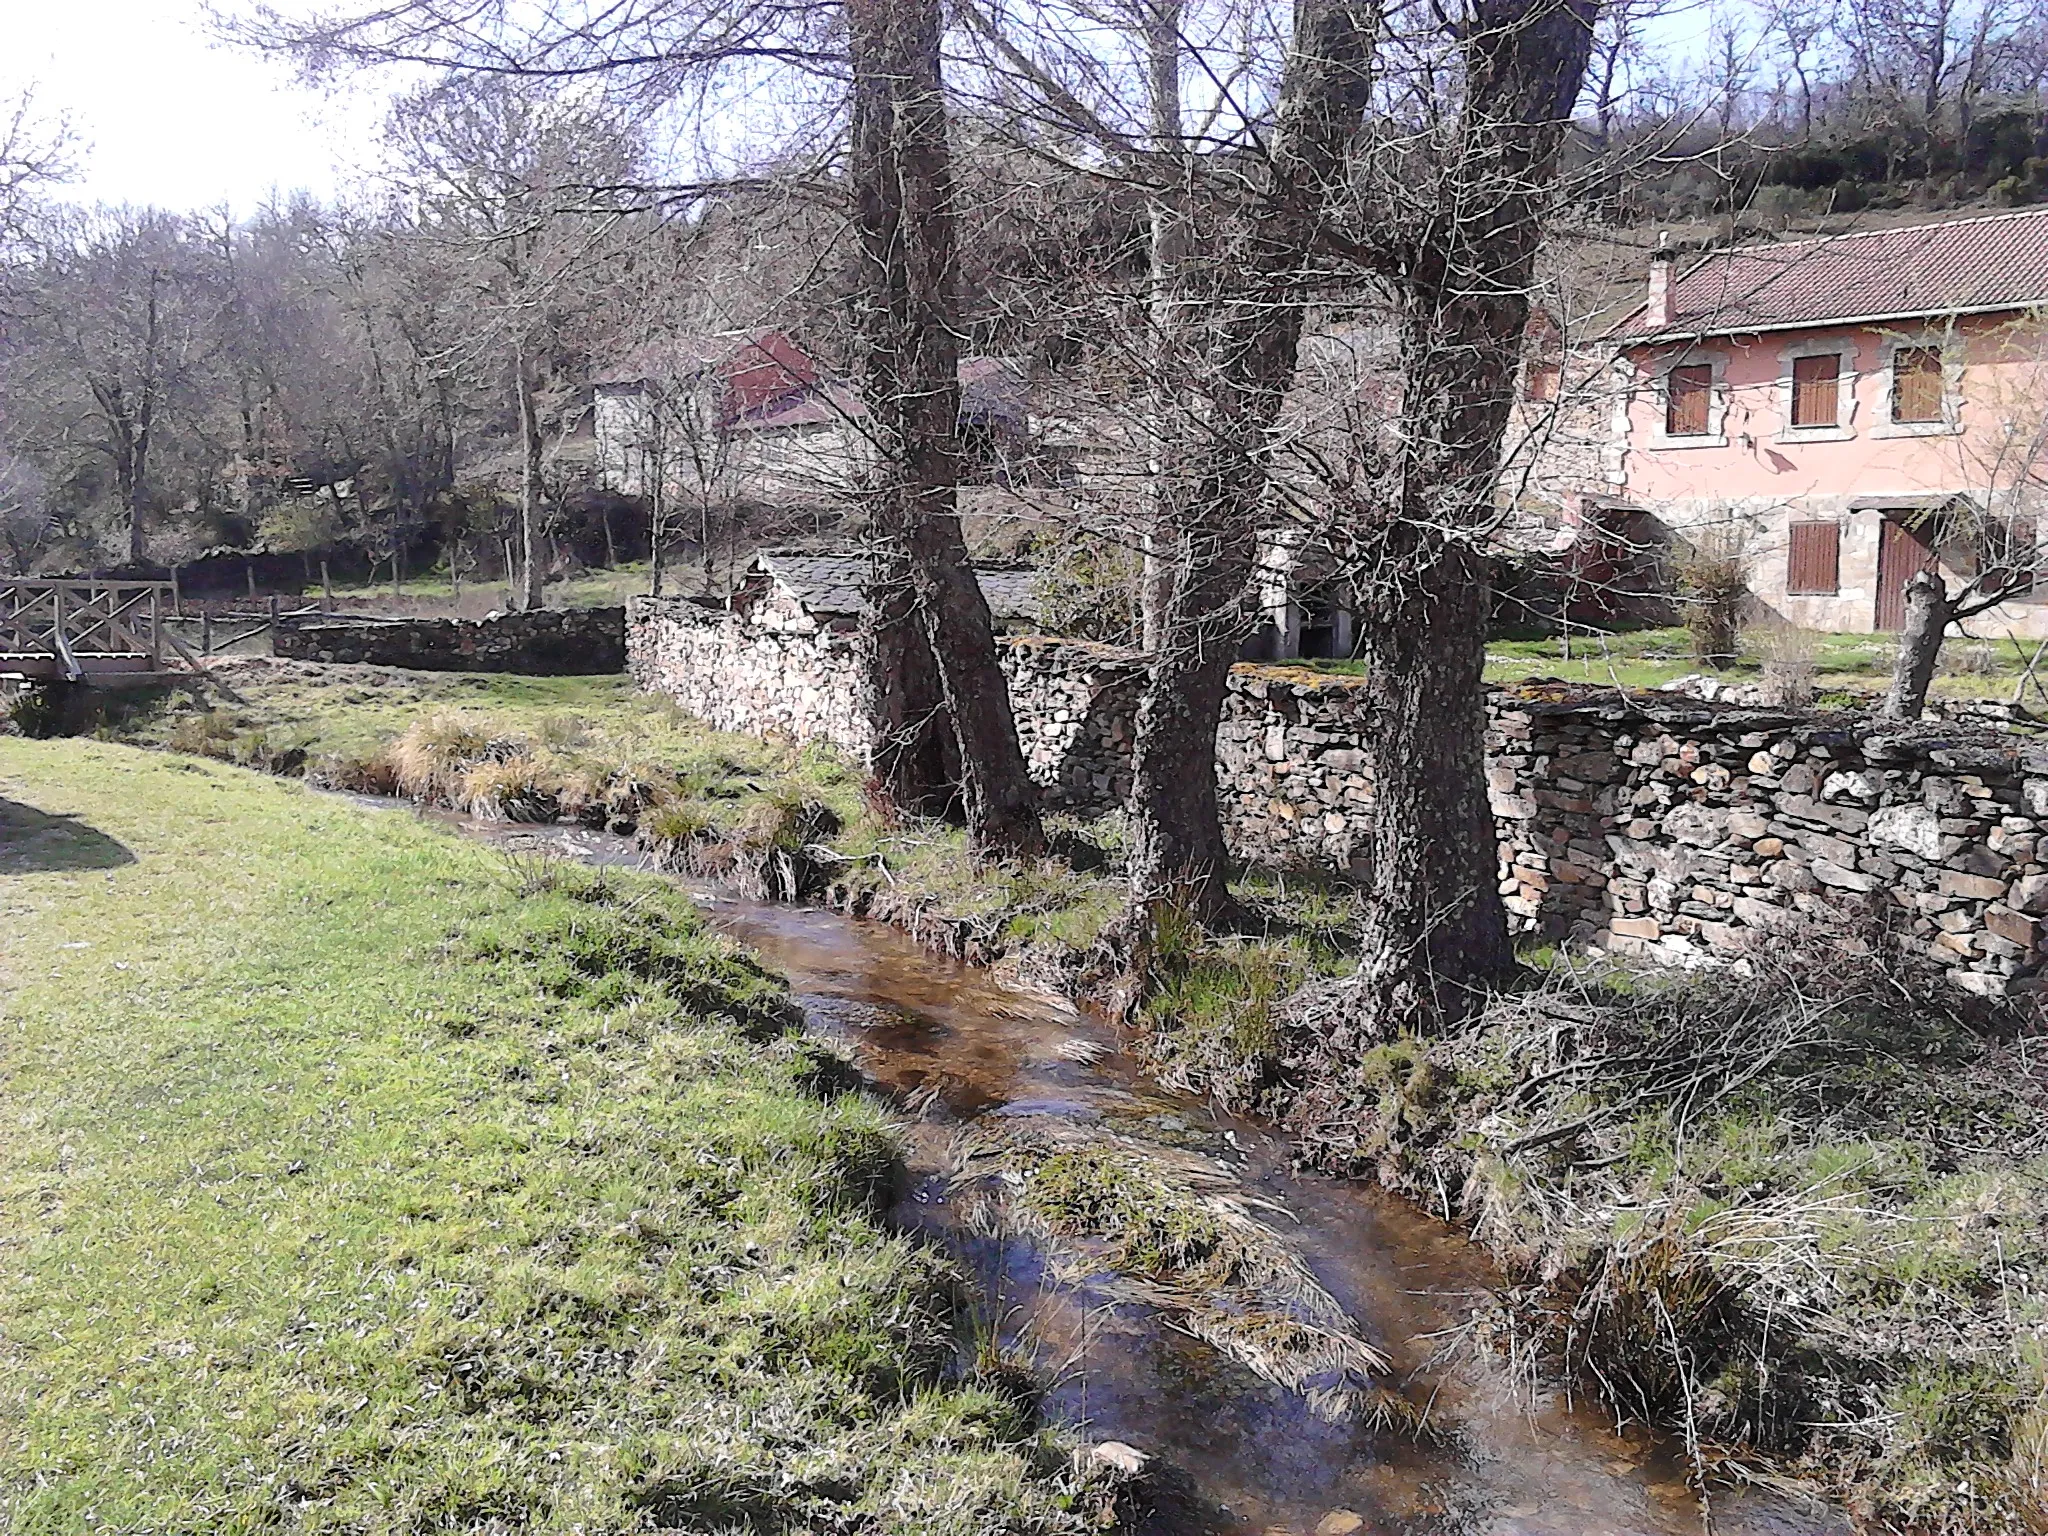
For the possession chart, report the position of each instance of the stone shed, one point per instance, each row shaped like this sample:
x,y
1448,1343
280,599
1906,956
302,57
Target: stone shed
x,y
817,591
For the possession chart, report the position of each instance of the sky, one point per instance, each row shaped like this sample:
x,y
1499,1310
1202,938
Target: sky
x,y
165,115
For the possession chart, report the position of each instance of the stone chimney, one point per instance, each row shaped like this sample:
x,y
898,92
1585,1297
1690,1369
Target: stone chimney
x,y
1657,311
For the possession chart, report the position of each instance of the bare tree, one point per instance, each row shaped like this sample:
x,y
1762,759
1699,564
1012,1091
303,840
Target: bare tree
x,y
1237,230
900,185
510,177
25,523
108,351
1621,38
1468,194
1803,31
35,154
908,307
1984,547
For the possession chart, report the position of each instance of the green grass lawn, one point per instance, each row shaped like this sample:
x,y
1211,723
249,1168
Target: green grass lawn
x,y
596,588
354,1180
1649,658
346,712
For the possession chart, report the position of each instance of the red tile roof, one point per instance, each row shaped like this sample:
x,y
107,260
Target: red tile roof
x,y
1963,266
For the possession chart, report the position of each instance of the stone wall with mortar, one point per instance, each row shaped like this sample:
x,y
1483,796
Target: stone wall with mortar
x,y
1672,828
569,642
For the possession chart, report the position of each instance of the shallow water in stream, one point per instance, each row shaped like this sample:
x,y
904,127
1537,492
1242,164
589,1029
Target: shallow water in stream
x,y
946,1038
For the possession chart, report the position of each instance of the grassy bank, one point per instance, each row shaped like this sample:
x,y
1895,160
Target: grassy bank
x,y
355,1181
1802,1212
594,749
434,593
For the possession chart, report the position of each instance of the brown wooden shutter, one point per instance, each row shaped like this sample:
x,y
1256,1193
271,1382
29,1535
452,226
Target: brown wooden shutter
x,y
1814,560
1686,392
1916,384
1815,396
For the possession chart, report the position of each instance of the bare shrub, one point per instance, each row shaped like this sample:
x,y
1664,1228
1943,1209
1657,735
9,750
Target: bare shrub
x,y
1974,658
1711,574
1089,587
1750,1202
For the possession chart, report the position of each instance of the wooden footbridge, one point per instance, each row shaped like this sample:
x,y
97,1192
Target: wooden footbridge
x,y
79,630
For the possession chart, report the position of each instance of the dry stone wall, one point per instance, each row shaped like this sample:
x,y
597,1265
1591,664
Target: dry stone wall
x,y
570,642
1671,828
806,685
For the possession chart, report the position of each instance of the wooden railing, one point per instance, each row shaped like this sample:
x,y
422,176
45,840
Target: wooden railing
x,y
211,631
78,629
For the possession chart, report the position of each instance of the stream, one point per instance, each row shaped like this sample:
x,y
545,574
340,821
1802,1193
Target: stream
x,y
1516,1456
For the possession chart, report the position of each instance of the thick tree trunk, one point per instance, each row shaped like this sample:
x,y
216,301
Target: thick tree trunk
x,y
901,171
128,485
1929,612
1168,218
1434,921
654,469
1177,850
1435,916
145,421
531,573
912,758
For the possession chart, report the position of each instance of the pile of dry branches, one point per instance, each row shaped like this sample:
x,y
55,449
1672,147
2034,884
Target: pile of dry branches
x,y
1801,1208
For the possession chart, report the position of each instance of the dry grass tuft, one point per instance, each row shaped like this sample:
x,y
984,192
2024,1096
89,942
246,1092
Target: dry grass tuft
x,y
778,849
372,775
431,758
516,788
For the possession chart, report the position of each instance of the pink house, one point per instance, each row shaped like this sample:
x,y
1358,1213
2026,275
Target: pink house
x,y
1849,409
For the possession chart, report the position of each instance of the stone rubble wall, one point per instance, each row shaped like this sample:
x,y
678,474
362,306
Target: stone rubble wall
x,y
569,642
1076,705
737,677
1675,829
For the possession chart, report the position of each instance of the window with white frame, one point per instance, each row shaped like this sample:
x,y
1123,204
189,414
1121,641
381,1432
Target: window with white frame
x,y
1922,381
1692,403
1816,391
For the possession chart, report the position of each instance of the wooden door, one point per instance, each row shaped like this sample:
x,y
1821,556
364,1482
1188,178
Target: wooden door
x,y
1903,552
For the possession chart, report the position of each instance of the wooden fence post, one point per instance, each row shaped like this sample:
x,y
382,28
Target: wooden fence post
x,y
206,631
273,623
326,588
177,595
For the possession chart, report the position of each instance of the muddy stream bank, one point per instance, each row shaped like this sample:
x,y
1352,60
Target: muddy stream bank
x,y
1511,1453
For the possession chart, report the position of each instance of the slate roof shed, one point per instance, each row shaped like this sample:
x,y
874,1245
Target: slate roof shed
x,y
826,586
